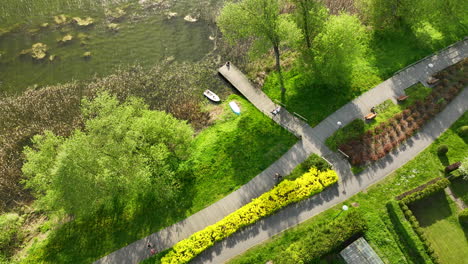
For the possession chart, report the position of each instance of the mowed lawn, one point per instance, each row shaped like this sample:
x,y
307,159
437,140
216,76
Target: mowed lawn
x,y
437,215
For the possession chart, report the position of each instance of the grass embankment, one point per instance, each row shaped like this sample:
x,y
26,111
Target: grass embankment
x,y
225,156
381,234
437,216
385,111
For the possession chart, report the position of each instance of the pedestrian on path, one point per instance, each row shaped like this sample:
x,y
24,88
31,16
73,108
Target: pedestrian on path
x,y
278,178
151,248
228,65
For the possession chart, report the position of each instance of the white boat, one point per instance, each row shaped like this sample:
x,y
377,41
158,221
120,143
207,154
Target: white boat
x,y
212,96
235,108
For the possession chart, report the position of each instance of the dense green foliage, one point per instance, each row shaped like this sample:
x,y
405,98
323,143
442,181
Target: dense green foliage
x,y
361,53
10,234
218,167
262,21
165,87
342,42
124,152
371,202
324,239
284,193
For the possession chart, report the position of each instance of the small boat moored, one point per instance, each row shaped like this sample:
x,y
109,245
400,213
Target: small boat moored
x,y
235,108
212,96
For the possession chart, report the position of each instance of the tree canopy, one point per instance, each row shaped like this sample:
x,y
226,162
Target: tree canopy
x,y
125,151
342,41
262,21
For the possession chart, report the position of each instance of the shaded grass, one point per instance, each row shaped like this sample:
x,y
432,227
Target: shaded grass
x,y
229,154
372,202
437,215
225,156
385,111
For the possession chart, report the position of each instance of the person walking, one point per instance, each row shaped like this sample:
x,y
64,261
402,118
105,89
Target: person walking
x,y
228,65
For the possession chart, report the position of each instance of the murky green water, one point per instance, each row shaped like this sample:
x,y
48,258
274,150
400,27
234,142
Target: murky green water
x,y
147,34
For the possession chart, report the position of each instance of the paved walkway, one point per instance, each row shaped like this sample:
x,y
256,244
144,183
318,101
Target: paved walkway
x,y
312,142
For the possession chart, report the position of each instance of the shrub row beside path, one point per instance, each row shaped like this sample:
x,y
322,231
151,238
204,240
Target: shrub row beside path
x,y
312,142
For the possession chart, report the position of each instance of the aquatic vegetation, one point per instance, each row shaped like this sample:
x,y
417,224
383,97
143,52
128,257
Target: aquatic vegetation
x,y
113,27
3,31
44,25
115,14
61,19
25,52
84,22
65,39
189,18
171,15
39,51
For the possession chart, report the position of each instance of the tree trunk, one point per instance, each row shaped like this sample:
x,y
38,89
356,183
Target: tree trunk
x,y
305,16
278,68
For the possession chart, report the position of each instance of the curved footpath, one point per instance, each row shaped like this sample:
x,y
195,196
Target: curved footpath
x,y
312,142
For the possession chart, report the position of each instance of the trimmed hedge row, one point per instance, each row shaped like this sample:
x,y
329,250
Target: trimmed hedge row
x,y
416,194
463,217
420,232
413,244
324,239
424,190
285,193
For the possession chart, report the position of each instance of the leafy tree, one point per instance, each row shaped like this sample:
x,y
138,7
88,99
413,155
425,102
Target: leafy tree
x,y
311,16
341,43
260,20
382,14
124,152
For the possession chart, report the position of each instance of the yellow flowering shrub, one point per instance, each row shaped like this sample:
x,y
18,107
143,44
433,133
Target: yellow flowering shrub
x,y
287,192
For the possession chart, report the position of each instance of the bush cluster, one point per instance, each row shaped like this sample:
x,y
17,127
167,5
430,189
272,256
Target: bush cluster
x,y
406,232
463,131
463,217
324,239
10,232
442,150
375,144
424,190
285,193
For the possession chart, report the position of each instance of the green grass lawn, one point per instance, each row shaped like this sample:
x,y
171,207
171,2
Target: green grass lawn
x,y
228,154
225,156
388,53
381,234
385,111
437,215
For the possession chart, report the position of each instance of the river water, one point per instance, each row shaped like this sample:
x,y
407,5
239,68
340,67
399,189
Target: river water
x,y
148,32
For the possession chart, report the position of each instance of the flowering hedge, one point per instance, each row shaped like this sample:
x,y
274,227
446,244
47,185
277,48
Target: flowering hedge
x,y
287,192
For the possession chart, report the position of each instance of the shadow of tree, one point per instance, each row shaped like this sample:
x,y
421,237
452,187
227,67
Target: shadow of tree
x,y
443,159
